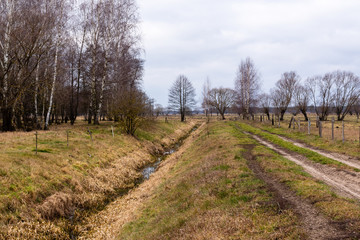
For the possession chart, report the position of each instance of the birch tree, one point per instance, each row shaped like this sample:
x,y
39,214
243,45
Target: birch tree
x,y
247,86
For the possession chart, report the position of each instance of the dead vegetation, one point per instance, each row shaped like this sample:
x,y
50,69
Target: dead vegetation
x,y
49,188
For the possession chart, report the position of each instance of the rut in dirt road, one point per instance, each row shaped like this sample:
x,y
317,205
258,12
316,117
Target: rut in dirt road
x,y
314,224
345,183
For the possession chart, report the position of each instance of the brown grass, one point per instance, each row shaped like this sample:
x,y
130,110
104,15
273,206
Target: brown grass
x,y
58,179
57,205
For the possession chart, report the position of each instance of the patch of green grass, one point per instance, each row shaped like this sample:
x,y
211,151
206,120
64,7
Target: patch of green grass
x,y
222,167
348,148
143,135
42,150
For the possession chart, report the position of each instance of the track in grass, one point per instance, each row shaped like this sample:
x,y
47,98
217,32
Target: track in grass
x,y
312,221
344,182
350,161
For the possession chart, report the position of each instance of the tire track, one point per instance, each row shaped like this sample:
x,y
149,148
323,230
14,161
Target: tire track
x,y
312,221
350,161
345,183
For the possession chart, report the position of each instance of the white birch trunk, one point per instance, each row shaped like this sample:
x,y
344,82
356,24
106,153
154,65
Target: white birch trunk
x,y
36,92
53,85
6,46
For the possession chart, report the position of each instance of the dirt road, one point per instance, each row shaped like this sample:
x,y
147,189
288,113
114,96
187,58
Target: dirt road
x,y
344,182
350,161
312,221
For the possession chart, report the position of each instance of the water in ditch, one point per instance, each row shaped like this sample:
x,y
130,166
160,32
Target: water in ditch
x,y
145,175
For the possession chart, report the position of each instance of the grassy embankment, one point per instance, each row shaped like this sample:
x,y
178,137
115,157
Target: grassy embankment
x,y
213,193
351,146
50,185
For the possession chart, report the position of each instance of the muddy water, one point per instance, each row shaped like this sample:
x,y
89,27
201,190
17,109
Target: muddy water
x,y
152,167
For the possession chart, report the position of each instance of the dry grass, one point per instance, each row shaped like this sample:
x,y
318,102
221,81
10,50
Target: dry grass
x,y
60,179
208,193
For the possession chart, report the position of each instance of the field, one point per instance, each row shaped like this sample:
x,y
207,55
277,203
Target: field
x,y
229,179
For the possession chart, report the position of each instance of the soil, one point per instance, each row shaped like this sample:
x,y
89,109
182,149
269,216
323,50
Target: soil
x,y
312,222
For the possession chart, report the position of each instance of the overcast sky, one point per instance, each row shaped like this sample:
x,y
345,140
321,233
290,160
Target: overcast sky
x,y
209,38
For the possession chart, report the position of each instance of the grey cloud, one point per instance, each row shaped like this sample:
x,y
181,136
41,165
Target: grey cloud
x,y
209,38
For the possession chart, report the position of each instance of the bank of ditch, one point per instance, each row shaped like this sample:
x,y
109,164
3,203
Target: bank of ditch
x,y
91,185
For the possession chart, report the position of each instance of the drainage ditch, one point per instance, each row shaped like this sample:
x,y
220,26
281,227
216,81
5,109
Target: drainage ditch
x,y
146,172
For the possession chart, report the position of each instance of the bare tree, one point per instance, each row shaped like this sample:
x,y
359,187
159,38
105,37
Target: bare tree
x,y
247,86
321,93
221,99
265,102
159,110
346,93
302,99
205,95
182,96
284,91
356,109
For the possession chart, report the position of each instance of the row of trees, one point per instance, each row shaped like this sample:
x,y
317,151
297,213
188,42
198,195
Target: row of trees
x,y
336,92
59,60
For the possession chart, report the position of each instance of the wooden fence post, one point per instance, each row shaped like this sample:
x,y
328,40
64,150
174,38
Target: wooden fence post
x,y
294,121
343,132
36,145
112,131
309,125
291,121
332,128
272,119
90,133
320,128
298,121
279,121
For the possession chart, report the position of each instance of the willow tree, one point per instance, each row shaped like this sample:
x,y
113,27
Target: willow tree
x,y
222,99
182,96
284,92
